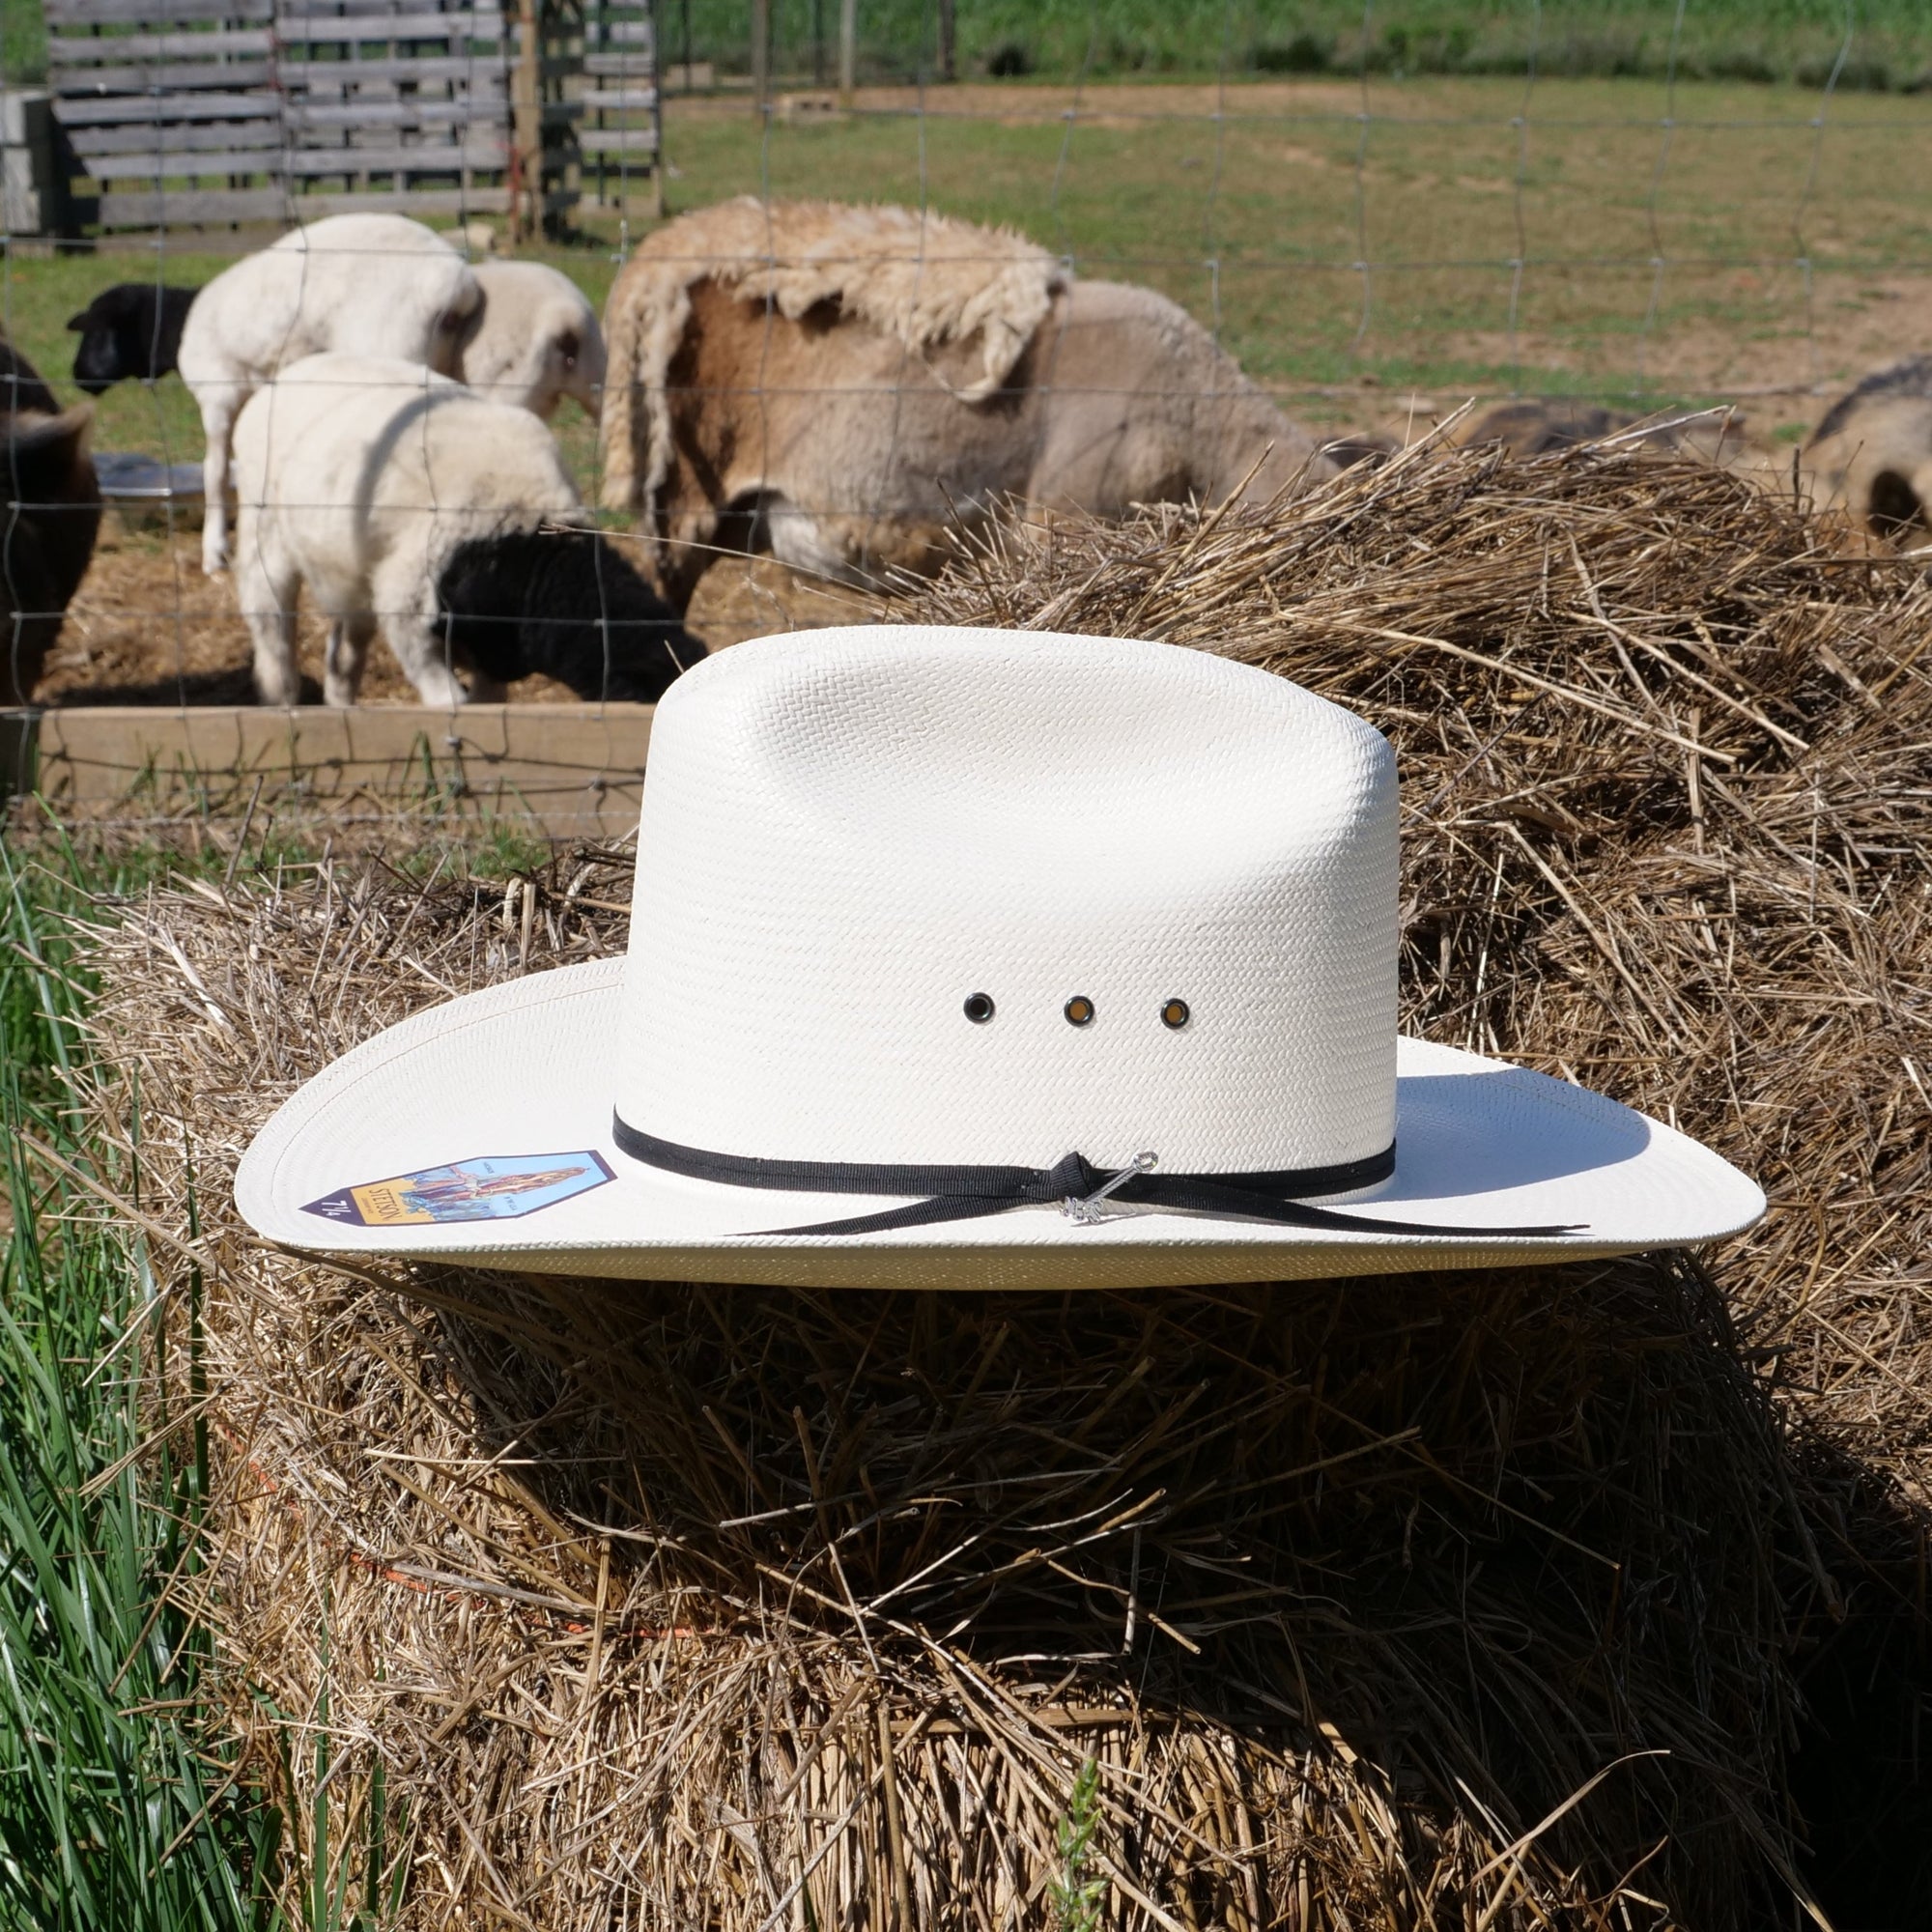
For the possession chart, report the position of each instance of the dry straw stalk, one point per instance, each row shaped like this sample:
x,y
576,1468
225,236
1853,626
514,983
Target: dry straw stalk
x,y
1492,1600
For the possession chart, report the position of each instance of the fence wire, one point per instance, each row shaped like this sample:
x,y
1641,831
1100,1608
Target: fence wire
x,y
1373,249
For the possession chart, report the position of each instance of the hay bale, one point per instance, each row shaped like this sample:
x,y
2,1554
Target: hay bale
x,y
671,1604
1662,743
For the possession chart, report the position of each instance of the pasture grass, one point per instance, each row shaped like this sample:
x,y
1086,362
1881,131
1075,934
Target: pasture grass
x,y
1649,256
124,1803
119,1808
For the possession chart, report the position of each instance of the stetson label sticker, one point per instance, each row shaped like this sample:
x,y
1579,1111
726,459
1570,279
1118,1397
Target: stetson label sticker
x,y
493,1187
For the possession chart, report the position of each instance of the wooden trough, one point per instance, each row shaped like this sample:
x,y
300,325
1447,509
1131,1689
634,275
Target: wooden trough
x,y
567,771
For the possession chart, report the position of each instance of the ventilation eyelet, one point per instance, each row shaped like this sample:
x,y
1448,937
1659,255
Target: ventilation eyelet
x,y
1079,1010
978,1007
1174,1014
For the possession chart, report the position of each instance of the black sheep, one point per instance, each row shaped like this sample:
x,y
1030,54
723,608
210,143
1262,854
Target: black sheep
x,y
20,386
565,604
49,512
133,329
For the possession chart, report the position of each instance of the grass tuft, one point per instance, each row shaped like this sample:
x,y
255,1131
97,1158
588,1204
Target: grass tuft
x,y
117,1808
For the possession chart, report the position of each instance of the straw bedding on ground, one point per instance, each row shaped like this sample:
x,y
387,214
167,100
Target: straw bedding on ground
x,y
1577,1597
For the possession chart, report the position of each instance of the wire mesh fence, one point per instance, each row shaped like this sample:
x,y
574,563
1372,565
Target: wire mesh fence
x,y
1145,253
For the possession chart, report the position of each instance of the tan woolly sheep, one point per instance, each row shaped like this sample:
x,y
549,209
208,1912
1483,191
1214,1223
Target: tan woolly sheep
x,y
837,385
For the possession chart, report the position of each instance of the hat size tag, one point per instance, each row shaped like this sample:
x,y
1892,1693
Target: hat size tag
x,y
1088,1210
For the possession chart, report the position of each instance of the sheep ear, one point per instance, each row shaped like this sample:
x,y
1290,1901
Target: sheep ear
x,y
42,454
465,325
80,324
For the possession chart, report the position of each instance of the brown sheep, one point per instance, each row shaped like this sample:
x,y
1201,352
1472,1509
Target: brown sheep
x,y
838,385
52,511
1872,454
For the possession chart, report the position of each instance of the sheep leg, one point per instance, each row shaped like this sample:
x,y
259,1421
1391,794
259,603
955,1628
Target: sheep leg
x,y
682,554
267,589
219,409
348,652
416,639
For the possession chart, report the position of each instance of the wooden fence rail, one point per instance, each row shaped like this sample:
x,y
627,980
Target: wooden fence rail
x,y
569,771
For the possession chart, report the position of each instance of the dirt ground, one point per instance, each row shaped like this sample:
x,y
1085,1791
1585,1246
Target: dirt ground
x,y
148,628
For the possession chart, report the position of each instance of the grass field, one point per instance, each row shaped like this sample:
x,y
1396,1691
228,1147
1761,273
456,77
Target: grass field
x,y
1741,249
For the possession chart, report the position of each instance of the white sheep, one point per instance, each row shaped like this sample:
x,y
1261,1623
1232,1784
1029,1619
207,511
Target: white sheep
x,y
359,284
406,502
536,342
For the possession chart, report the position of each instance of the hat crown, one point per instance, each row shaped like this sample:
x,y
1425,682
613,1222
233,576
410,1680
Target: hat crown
x,y
1171,877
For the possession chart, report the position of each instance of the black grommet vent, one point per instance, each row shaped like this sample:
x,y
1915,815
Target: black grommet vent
x,y
1174,1014
1079,1010
978,1007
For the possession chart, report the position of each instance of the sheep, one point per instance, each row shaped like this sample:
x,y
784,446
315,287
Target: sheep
x,y
536,341
835,384
134,328
21,388
406,502
359,284
1539,426
1872,454
51,507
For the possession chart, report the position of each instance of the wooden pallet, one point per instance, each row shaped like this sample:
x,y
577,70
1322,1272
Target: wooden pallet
x,y
170,107
399,93
194,112
622,128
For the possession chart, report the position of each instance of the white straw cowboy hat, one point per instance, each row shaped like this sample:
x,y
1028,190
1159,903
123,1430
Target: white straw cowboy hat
x,y
979,958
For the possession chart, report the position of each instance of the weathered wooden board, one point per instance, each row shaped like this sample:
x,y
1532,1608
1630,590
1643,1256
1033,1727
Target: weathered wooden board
x,y
310,73
317,163
151,13
159,78
476,199
172,139
617,140
192,208
242,158
377,29
616,100
355,116
69,51
200,208
80,109
469,146
568,770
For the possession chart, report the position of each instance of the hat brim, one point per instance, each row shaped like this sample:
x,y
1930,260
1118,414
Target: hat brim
x,y
515,1081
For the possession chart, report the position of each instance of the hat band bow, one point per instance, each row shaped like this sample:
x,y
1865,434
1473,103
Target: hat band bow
x,y
964,1193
